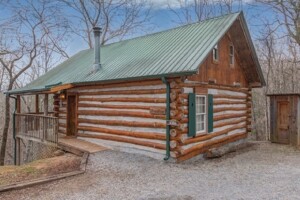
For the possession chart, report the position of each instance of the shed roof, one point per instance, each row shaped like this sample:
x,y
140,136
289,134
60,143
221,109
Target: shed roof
x,y
174,52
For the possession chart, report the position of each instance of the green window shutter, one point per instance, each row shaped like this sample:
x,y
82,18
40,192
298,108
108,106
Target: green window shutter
x,y
192,115
210,115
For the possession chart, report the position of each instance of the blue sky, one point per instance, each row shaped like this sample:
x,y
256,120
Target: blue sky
x,y
163,18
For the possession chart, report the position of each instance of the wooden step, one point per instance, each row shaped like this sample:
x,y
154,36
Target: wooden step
x,y
78,146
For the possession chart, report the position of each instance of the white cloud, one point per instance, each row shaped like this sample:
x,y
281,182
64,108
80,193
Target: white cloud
x,y
162,4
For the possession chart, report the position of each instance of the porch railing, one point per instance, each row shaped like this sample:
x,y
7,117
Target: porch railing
x,y
37,127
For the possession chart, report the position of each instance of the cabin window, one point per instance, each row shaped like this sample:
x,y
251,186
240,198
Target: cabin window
x,y
200,113
231,55
216,53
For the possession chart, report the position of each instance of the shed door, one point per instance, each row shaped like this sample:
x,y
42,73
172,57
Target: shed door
x,y
71,115
283,122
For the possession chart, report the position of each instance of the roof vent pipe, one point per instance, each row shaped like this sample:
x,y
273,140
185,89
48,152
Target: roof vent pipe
x,y
97,33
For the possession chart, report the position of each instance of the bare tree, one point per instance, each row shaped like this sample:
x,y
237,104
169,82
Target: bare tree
x,y
279,58
198,10
31,23
229,6
118,18
287,15
267,57
191,11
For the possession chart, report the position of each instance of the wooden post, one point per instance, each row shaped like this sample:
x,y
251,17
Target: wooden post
x,y
18,110
37,105
37,111
45,126
46,105
18,128
18,151
18,104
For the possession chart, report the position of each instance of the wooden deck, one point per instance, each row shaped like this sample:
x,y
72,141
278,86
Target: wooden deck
x,y
79,145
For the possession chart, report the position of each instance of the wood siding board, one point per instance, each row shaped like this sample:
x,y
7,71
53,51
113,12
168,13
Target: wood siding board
x,y
241,45
130,123
222,71
126,140
293,120
117,86
128,92
148,135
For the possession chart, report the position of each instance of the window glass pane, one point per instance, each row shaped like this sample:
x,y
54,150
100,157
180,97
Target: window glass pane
x,y
201,100
200,113
202,119
215,53
231,50
197,109
198,118
202,108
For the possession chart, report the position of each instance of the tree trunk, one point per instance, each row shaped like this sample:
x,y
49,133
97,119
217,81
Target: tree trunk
x,y
5,130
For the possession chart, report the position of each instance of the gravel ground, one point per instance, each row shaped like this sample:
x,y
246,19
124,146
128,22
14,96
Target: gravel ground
x,y
261,171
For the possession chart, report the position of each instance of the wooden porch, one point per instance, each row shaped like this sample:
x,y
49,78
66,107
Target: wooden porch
x,y
42,126
44,129
38,128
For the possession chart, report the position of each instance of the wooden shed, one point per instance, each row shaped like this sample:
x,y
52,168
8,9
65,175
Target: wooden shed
x,y
285,118
178,93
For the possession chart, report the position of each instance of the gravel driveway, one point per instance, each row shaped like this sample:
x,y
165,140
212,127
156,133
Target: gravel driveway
x,y
262,171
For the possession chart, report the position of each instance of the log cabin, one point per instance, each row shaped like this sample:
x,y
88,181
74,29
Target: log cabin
x,y
174,94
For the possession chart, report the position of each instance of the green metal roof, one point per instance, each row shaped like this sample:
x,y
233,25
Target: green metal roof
x,y
177,51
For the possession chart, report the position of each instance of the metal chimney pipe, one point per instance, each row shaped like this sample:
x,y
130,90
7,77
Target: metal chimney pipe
x,y
97,33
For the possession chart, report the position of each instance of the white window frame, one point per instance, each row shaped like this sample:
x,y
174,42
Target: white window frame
x,y
205,114
215,52
231,55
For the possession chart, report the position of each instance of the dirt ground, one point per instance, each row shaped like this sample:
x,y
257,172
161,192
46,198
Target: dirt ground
x,y
41,168
261,171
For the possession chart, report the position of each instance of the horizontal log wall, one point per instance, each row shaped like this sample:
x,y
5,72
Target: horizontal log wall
x,y
232,118
133,116
118,114
60,111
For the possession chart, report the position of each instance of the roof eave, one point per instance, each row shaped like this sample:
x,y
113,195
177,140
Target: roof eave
x,y
168,75
48,89
29,91
255,58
